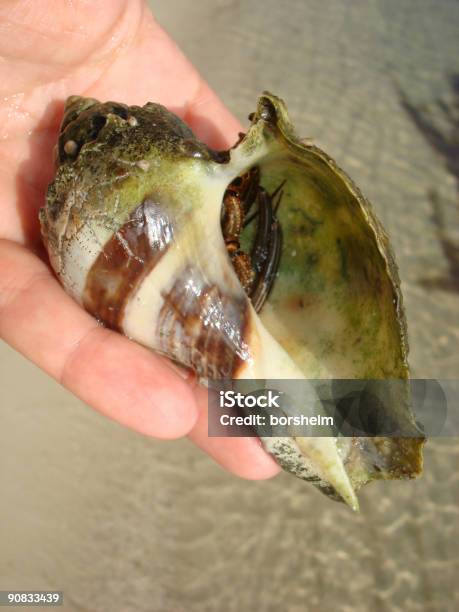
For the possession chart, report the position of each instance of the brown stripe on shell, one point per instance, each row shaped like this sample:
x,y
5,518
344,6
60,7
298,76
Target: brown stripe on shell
x,y
126,259
203,328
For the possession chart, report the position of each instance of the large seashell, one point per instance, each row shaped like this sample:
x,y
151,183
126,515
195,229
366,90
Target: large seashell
x,y
133,228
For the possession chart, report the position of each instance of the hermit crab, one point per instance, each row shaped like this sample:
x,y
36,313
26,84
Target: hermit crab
x,y
261,262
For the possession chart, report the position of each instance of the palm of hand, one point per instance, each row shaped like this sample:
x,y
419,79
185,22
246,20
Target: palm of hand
x,y
111,50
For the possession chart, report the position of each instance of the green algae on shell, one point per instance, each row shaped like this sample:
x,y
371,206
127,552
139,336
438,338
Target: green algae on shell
x,y
132,224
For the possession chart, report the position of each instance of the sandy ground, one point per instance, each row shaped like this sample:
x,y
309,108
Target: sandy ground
x,y
123,523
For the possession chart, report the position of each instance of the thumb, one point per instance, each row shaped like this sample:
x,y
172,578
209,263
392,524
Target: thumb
x,y
43,39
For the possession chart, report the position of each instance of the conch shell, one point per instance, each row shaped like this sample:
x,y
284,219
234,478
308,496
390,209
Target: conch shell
x,y
133,227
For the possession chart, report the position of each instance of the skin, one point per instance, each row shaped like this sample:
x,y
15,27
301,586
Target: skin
x,y
110,50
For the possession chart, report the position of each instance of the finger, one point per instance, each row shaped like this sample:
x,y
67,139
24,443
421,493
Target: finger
x,y
46,38
154,69
106,370
244,457
210,120
188,93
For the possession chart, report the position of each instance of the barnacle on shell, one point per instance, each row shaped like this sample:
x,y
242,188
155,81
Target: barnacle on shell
x,y
264,261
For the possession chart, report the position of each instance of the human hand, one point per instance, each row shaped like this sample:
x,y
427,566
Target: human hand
x,y
110,50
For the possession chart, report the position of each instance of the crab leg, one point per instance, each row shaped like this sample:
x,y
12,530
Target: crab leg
x,y
266,251
237,201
